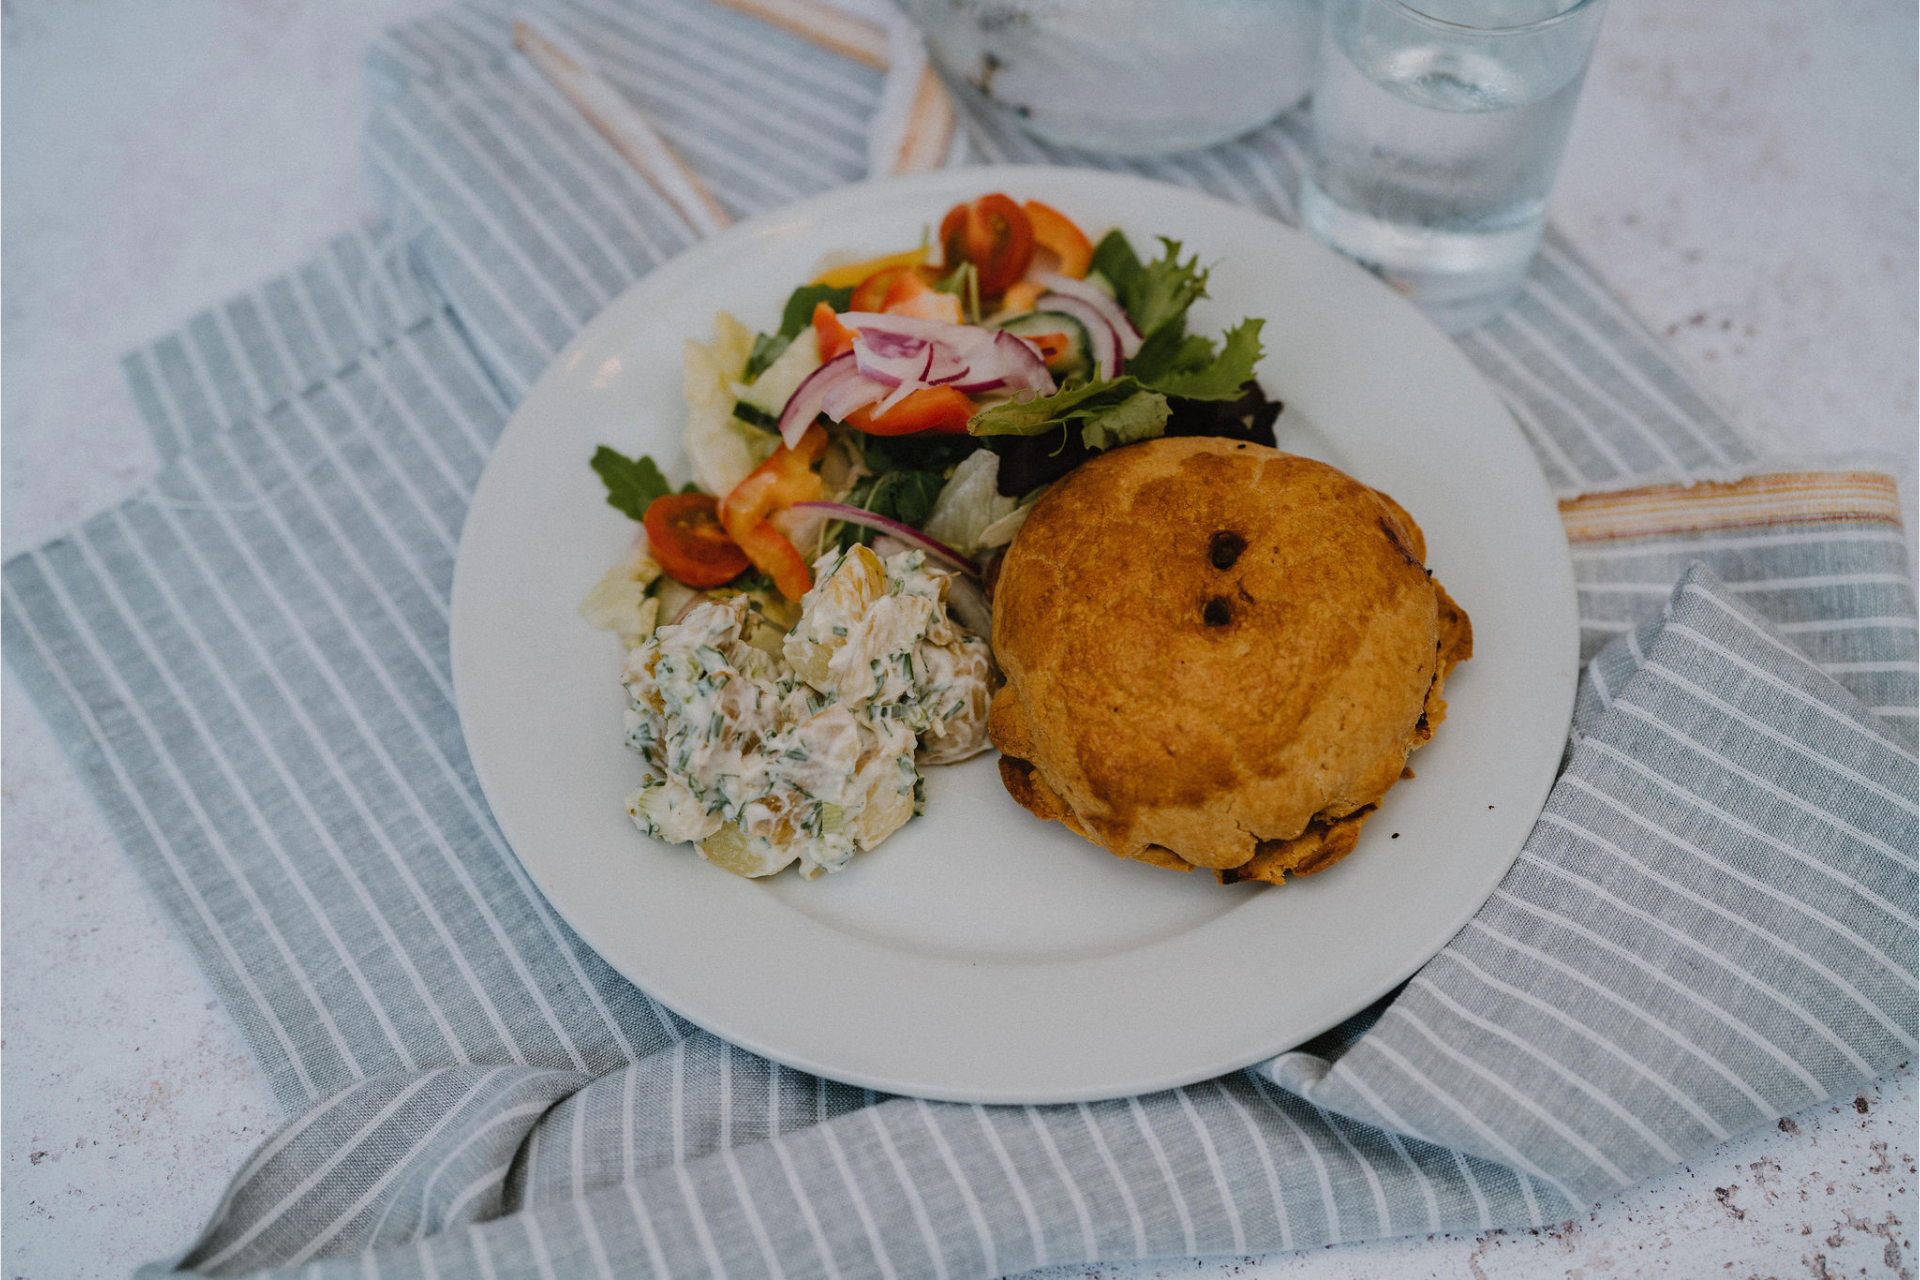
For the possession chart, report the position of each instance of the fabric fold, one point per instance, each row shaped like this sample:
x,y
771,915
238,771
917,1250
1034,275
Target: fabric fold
x,y
1711,925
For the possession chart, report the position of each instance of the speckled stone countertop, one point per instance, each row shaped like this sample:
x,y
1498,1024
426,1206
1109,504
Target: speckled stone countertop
x,y
1743,171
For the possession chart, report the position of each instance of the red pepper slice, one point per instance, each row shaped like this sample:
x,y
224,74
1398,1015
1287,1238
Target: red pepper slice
x,y
686,537
1049,345
835,338
871,294
782,480
911,295
941,410
1055,232
995,235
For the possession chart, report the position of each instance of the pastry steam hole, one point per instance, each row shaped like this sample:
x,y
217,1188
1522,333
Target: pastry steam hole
x,y
1225,549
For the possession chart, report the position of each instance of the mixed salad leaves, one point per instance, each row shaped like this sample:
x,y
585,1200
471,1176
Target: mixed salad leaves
x,y
921,400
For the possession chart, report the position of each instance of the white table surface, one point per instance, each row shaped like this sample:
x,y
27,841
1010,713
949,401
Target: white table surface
x,y
1742,171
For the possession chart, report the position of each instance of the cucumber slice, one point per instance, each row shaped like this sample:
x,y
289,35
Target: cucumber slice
x,y
1076,360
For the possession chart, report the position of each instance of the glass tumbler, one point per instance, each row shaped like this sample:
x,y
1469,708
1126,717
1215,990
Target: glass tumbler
x,y
1438,127
1126,77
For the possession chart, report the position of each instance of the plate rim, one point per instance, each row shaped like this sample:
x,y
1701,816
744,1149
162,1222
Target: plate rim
x,y
1564,602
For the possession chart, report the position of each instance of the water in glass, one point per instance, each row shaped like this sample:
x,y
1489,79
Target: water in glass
x,y
1435,147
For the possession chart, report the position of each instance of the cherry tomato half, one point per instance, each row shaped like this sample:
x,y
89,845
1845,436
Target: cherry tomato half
x,y
941,410
995,235
689,542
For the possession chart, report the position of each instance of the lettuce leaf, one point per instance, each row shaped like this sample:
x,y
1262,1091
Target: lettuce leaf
x,y
1164,289
1141,416
1213,377
1108,413
1115,262
1030,417
969,503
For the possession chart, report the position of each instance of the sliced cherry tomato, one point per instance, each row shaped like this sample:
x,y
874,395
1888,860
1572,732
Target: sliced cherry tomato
x,y
941,410
835,338
1055,232
995,235
688,540
782,480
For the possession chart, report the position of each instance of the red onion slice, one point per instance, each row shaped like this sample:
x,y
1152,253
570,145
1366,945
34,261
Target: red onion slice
x,y
1010,363
910,352
1100,300
893,358
905,532
909,327
805,404
850,394
1105,342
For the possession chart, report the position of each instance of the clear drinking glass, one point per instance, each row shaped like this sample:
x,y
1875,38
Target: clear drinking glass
x,y
1438,127
1126,77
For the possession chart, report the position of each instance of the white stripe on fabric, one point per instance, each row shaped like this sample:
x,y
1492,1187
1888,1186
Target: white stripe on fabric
x,y
1652,1139
1067,1180
916,1203
697,1216
193,626
1815,761
1812,810
395,1171
1725,867
1140,1121
643,1221
1635,423
353,791
324,665
808,1215
1761,1105
319,1173
1119,1180
1725,1017
1756,932
1261,1149
1746,828
1029,1212
963,1185
1328,1202
1512,1155
1215,1168
190,796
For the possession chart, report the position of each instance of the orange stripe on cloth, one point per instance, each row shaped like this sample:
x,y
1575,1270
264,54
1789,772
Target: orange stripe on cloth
x,y
1791,497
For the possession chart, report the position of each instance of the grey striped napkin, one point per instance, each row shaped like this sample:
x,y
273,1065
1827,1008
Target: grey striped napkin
x,y
1714,922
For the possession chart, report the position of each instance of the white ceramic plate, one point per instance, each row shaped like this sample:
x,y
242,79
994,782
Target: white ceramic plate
x,y
982,955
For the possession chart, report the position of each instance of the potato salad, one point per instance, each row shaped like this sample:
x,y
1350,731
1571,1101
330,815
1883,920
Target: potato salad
x,y
765,749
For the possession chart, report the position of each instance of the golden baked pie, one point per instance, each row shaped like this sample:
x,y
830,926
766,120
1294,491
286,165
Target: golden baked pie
x,y
1217,655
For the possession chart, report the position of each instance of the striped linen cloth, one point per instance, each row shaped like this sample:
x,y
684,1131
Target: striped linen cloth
x,y
1713,923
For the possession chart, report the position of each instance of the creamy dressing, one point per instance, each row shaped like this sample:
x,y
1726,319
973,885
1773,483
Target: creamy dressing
x,y
808,755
